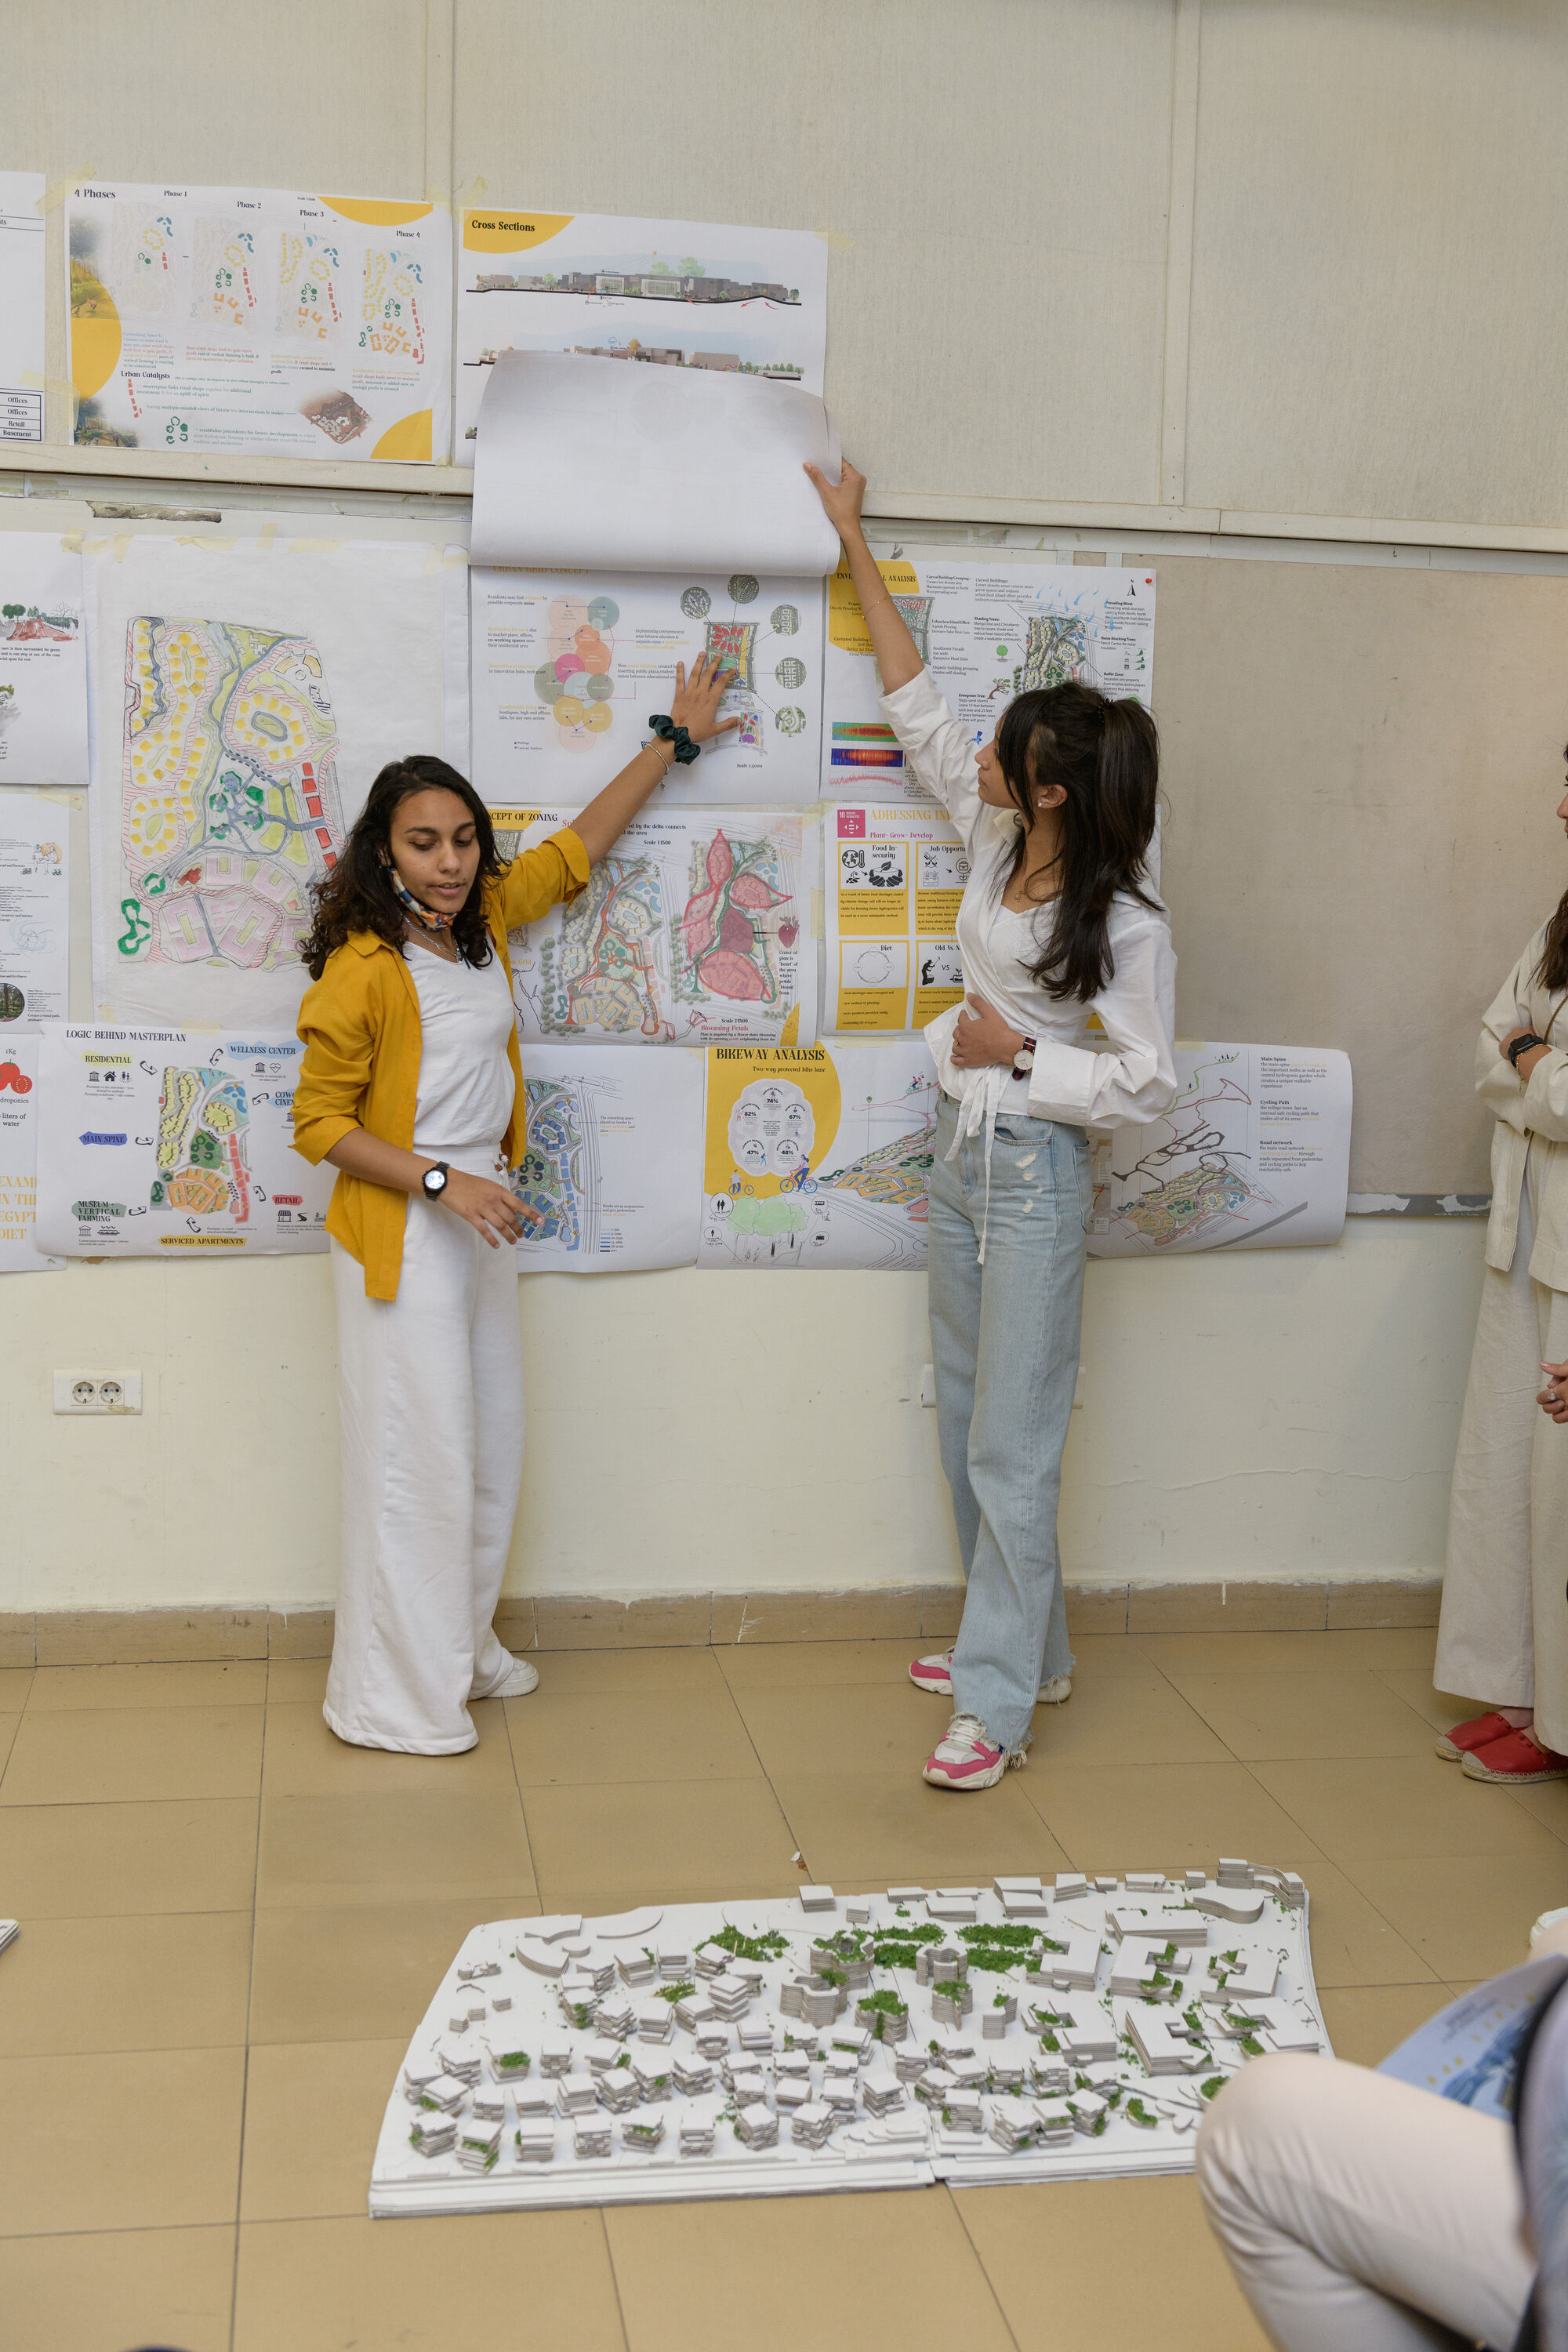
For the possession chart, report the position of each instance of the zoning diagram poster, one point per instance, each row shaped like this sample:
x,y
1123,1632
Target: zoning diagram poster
x,y
613,1161
568,669
818,1158
986,634
19,1155
21,306
1254,1154
246,693
152,1142
248,318
43,661
697,927
34,911
891,883
686,294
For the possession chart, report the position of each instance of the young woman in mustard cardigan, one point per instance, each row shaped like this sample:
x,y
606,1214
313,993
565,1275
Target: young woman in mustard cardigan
x,y
411,1087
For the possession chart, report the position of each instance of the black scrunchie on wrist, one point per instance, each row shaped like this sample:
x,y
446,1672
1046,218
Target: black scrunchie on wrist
x,y
686,751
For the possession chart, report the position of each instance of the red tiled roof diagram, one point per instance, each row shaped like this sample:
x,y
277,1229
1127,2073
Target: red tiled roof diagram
x,y
726,937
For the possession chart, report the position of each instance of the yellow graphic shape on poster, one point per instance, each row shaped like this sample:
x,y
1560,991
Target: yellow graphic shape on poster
x,y
376,212
873,886
94,330
411,439
494,232
873,984
845,622
772,1116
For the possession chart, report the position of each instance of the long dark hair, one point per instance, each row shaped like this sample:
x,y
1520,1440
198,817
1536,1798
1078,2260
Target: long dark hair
x,y
1551,972
357,894
1106,757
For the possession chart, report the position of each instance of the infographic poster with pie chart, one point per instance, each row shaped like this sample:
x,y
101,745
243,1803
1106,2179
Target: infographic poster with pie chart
x,y
893,878
568,668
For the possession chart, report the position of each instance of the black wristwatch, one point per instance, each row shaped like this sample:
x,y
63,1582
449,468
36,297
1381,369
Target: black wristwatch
x,y
433,1183
1523,1045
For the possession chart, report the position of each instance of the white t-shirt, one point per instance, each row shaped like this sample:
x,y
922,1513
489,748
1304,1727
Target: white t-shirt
x,y
466,1086
1135,1078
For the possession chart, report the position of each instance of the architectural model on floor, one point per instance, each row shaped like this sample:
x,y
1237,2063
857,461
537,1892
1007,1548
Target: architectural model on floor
x,y
1016,2032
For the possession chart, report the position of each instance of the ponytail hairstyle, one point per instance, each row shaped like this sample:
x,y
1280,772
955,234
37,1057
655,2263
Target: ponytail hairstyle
x,y
1551,972
1106,757
357,895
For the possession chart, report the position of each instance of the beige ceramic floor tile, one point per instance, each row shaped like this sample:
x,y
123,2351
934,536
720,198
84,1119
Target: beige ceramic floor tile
x,y
566,1738
148,2142
1096,1654
239,1683
670,1833
1547,1803
1246,1653
9,1727
99,2292
783,1666
139,1983
1118,2263
1119,1719
1407,1806
305,1760
578,1672
287,2176
843,1727
122,1755
1366,2022
419,1846
15,1684
300,1682
1279,1714
181,1853
1440,1709
782,2274
538,2281
1468,1916
888,1827
1159,1816
1353,1943
359,1974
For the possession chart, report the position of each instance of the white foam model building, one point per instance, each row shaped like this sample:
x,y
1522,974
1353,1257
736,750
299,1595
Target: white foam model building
x,y
1016,2032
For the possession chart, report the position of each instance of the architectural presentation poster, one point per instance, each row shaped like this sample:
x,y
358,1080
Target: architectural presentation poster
x,y
614,1159
43,661
568,668
820,1158
248,318
152,1142
34,911
19,1155
696,927
1017,2031
1254,1154
686,294
985,633
891,882
246,692
1470,2052
21,306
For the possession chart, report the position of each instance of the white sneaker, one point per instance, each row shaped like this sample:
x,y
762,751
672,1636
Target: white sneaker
x,y
966,1757
520,1679
935,1673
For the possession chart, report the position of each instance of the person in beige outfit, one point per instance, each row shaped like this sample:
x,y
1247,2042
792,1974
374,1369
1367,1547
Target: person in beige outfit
x,y
1503,1632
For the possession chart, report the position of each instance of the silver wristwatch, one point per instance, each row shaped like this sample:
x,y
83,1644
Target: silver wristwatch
x,y
433,1183
1024,1059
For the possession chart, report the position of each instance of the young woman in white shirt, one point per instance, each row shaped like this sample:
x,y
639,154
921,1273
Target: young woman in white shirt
x,y
1058,919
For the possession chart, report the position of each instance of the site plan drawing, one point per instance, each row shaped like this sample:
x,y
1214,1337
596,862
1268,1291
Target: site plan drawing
x,y
893,879
43,661
244,703
986,634
568,669
151,1141
687,294
35,911
696,927
1015,2029
19,1155
253,320
22,309
818,1158
1254,1154
614,1158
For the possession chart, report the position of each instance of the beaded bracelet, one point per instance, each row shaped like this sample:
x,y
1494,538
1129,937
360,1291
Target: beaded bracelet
x,y
686,751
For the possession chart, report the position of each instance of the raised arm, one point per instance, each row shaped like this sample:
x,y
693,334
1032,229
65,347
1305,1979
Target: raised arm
x,y
890,640
695,707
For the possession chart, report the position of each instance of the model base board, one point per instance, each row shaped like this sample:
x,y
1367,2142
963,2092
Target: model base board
x,y
1016,2032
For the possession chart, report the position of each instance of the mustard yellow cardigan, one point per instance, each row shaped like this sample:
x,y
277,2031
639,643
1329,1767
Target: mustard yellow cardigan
x,y
360,1024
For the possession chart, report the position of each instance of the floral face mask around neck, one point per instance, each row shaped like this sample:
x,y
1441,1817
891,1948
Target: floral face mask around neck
x,y
425,917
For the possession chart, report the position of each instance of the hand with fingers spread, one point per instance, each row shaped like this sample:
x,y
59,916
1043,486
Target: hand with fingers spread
x,y
493,1210
695,703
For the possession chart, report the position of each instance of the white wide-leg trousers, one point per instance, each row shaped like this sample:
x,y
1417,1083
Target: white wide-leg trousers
x,y
430,1400
1363,2215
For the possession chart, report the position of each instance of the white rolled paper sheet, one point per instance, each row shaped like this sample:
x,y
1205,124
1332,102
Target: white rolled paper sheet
x,y
620,464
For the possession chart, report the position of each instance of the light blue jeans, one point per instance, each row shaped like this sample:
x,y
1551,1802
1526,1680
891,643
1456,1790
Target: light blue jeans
x,y
1005,1344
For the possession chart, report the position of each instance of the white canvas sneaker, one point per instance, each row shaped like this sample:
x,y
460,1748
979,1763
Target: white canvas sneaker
x,y
935,1673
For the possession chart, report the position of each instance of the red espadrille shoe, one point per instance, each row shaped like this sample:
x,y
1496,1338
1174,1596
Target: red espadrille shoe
x,y
1514,1762
1478,1732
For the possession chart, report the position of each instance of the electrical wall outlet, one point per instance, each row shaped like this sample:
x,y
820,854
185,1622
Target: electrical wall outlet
x,y
98,1392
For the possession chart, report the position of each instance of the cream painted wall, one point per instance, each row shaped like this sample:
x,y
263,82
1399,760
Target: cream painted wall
x,y
1288,1414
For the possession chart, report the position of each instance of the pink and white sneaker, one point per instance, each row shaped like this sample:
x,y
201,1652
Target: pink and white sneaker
x,y
935,1675
964,1757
